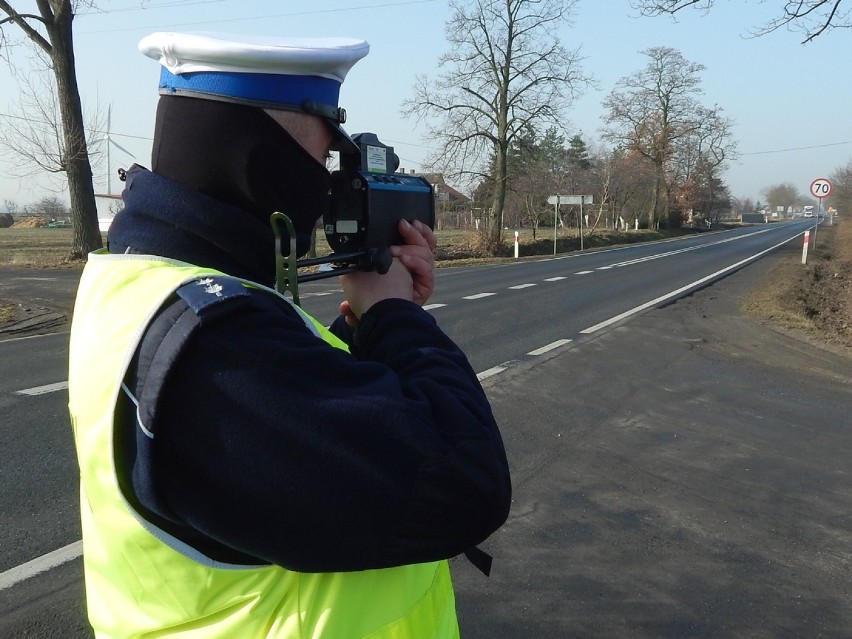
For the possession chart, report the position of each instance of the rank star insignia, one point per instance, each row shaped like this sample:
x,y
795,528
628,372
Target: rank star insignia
x,y
210,286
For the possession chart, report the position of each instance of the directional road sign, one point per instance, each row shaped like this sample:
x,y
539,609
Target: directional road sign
x,y
570,199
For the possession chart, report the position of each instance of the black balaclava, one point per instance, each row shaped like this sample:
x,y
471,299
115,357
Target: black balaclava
x,y
239,155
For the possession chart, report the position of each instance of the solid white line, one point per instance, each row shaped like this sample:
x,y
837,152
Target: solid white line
x,y
429,307
478,296
682,289
43,390
491,371
520,286
18,339
40,564
550,347
555,279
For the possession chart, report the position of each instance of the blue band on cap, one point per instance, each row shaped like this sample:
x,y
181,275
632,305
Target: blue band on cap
x,y
257,87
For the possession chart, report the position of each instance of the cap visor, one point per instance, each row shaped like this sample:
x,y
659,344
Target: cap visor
x,y
341,142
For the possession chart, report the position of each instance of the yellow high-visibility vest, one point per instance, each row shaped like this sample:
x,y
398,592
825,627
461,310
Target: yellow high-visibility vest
x,y
140,581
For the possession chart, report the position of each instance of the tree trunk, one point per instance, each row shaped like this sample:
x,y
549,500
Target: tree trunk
x,y
84,213
495,228
659,182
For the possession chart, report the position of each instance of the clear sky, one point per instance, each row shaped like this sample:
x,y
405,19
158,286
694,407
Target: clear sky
x,y
789,101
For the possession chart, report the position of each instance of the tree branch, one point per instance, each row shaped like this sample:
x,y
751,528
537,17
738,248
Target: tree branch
x,y
21,21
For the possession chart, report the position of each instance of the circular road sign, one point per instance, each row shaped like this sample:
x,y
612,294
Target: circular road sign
x,y
821,187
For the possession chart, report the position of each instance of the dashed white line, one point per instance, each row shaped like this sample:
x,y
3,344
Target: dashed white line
x,y
478,296
555,279
494,370
604,268
583,272
682,289
40,564
42,390
429,307
550,347
520,286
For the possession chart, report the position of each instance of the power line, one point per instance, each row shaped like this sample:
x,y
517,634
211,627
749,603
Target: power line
x,y
34,121
159,5
798,148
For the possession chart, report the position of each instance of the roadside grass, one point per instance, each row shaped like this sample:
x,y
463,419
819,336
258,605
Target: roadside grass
x,y
813,299
49,247
7,311
36,247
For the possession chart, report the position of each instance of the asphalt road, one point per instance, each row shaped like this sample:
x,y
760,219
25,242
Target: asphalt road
x,y
680,472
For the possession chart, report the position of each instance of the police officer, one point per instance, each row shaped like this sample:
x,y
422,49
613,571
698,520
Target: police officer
x,y
244,471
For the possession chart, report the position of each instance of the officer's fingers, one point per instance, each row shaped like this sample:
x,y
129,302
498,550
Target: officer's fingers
x,y
427,233
411,233
411,255
348,313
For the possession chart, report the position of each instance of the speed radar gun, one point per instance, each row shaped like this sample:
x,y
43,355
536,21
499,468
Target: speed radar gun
x,y
366,201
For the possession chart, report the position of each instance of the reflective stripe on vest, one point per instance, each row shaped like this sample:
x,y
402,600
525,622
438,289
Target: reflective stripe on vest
x,y
139,586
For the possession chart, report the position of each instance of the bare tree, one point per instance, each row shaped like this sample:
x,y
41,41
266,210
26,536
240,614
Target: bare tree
x,y
841,193
656,112
506,71
626,181
37,138
51,207
51,31
809,17
782,195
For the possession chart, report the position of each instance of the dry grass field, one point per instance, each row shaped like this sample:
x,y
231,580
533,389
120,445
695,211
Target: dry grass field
x,y
36,247
813,299
46,247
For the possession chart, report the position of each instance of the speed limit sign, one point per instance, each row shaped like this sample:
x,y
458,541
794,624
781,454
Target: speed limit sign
x,y
821,187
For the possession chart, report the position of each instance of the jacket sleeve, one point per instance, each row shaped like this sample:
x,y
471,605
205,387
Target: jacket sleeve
x,y
277,445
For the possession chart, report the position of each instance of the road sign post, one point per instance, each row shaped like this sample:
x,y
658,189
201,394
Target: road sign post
x,y
820,188
556,200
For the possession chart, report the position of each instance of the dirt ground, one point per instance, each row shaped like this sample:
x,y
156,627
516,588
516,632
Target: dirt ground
x,y
813,300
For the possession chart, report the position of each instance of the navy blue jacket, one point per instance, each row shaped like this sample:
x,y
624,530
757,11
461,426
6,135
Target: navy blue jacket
x,y
273,444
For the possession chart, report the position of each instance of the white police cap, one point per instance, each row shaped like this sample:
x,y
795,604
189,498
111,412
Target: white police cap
x,y
296,74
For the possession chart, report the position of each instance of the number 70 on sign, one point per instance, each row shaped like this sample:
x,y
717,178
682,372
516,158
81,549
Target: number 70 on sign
x,y
821,187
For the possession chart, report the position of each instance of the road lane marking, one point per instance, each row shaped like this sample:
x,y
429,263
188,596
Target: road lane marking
x,y
520,286
40,564
657,256
429,307
43,390
682,289
583,272
494,370
550,347
478,296
555,279
18,339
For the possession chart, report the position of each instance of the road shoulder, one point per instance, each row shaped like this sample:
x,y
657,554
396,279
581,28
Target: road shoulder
x,y
684,474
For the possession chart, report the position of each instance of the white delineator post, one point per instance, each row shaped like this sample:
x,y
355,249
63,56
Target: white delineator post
x,y
805,247
516,244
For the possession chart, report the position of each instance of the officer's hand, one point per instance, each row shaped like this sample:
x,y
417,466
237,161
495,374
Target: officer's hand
x,y
418,256
411,275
